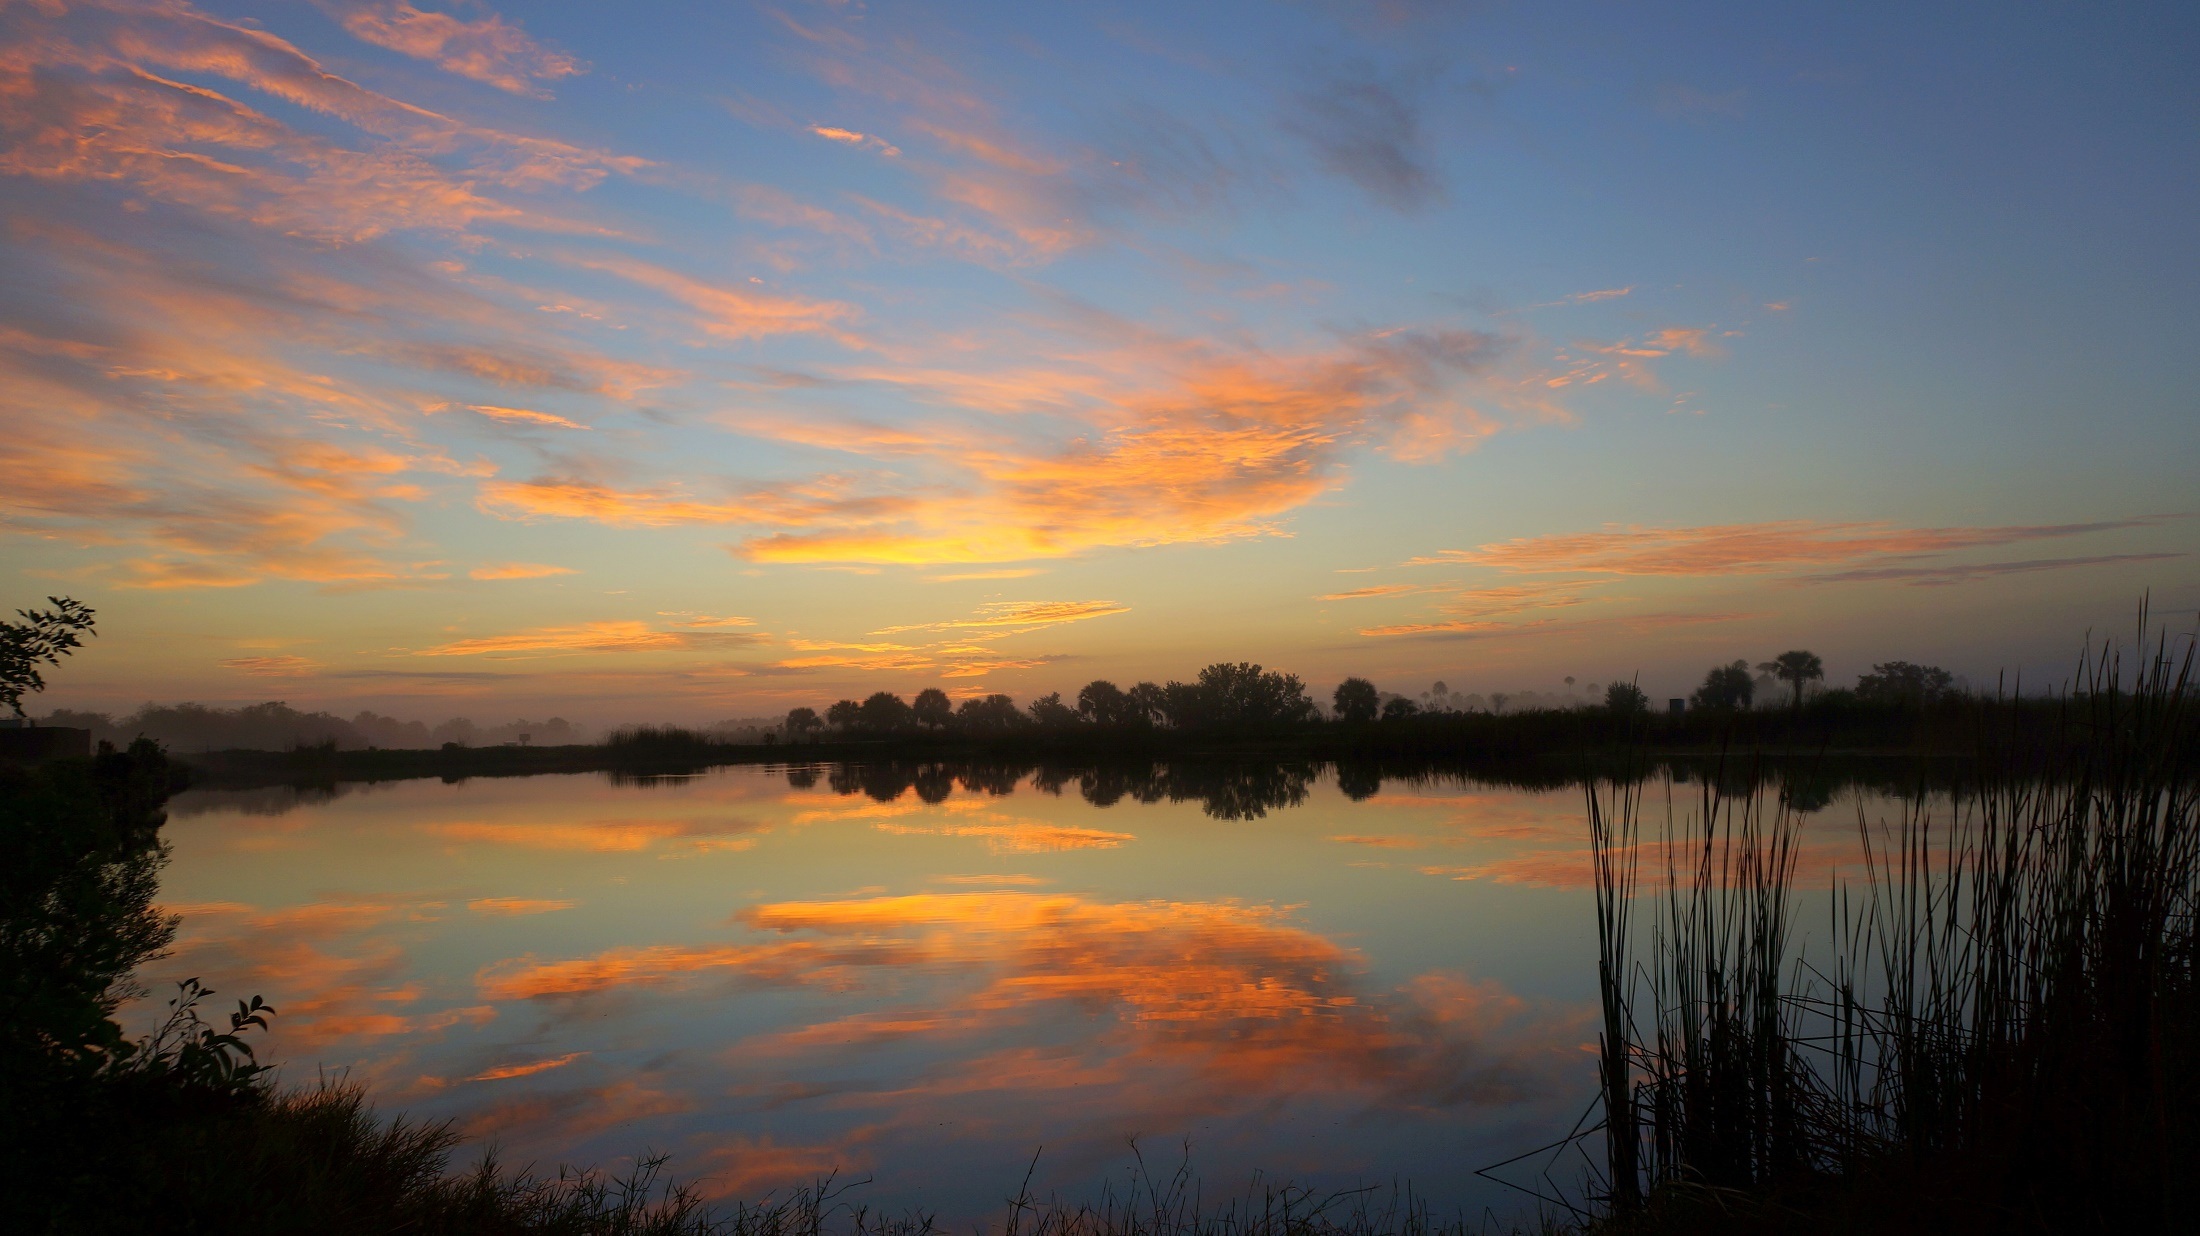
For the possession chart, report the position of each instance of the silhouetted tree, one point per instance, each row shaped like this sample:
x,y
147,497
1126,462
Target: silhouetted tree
x,y
42,638
1899,682
1357,701
989,714
1103,703
883,712
1625,699
802,722
1725,688
843,715
1148,700
1398,708
932,709
1049,712
1238,694
1795,666
802,777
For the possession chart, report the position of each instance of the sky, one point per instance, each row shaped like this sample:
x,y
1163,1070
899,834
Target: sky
x,y
677,362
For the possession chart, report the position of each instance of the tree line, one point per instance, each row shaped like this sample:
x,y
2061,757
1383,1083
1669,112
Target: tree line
x,y
1243,696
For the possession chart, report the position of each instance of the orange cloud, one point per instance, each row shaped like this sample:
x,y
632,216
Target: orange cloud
x,y
600,836
524,416
587,637
852,138
730,313
517,905
502,1072
519,570
487,50
1029,615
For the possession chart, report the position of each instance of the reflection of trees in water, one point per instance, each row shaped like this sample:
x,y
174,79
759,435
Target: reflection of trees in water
x,y
934,782
266,800
1250,789
1359,782
1236,790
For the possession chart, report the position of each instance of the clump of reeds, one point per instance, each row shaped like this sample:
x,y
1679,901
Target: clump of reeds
x,y
2004,1028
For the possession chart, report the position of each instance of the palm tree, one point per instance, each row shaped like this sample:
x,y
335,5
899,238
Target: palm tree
x,y
1795,666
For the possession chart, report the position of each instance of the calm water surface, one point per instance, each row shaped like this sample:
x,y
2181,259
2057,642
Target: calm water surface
x,y
775,976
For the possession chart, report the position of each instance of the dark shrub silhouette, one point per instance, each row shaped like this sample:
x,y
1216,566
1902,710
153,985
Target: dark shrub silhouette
x,y
1357,701
989,714
932,709
1050,713
1625,699
1399,708
1726,688
1899,682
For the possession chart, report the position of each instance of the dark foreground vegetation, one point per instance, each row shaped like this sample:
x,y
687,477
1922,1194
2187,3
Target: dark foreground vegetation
x,y
2002,1034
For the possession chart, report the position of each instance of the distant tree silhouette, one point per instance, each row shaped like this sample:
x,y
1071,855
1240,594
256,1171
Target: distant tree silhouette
x,y
1103,703
1237,694
1148,701
1795,666
42,638
1398,708
1625,699
1725,688
802,722
1357,701
1899,682
844,715
883,712
989,714
1049,712
932,709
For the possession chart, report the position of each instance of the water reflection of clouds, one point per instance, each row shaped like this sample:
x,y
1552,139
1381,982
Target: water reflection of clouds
x,y
1111,1014
337,968
968,817
703,833
529,979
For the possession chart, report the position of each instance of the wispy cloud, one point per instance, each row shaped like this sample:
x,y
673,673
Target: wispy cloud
x,y
1720,549
524,416
486,50
1963,573
612,636
519,570
273,667
1366,126
1022,615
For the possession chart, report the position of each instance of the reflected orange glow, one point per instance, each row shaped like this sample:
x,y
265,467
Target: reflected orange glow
x,y
603,836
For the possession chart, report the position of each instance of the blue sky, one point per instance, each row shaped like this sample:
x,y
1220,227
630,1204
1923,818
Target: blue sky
x,y
694,361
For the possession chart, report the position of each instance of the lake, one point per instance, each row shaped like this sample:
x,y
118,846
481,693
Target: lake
x,y
924,976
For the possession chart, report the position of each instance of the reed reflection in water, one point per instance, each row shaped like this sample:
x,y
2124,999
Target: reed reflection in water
x,y
925,972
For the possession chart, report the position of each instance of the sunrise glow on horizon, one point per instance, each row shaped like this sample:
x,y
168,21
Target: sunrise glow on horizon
x,y
691,362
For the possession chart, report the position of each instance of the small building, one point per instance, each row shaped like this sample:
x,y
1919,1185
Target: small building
x,y
1676,707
